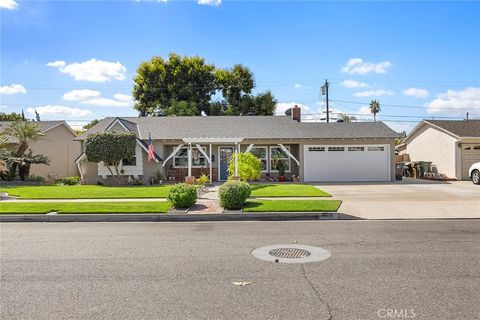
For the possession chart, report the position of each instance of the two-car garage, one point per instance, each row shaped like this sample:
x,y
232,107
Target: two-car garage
x,y
347,162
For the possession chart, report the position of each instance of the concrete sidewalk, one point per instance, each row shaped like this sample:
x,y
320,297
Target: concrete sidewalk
x,y
86,200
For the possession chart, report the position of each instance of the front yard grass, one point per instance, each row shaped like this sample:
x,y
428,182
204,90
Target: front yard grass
x,y
86,192
287,190
292,205
85,207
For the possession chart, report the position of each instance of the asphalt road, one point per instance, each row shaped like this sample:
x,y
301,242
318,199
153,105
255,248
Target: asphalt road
x,y
401,269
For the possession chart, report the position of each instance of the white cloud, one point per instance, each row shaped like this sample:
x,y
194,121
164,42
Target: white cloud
x,y
456,102
52,110
116,102
93,97
358,66
13,89
354,84
415,92
91,70
297,86
374,93
3,107
8,4
400,126
281,107
80,95
213,3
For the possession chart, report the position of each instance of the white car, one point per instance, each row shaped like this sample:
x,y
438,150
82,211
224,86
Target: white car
x,y
474,173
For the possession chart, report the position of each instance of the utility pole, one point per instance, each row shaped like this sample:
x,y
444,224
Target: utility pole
x,y
467,115
325,93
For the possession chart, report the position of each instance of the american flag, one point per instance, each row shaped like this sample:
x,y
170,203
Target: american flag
x,y
151,149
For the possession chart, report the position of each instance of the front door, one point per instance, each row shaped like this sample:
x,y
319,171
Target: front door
x,y
224,154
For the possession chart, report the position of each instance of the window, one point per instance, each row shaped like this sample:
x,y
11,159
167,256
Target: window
x,y
130,162
476,148
261,153
314,149
336,148
181,158
356,148
376,149
277,154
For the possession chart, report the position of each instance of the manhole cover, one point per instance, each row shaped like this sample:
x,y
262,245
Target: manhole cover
x,y
287,253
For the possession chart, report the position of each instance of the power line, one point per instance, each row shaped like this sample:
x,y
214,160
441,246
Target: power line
x,y
400,106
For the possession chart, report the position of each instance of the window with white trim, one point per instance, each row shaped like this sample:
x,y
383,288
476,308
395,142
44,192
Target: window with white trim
x,y
277,154
356,148
180,160
316,149
330,149
376,149
130,162
262,154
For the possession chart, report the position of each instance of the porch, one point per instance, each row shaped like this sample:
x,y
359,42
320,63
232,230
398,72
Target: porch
x,y
196,156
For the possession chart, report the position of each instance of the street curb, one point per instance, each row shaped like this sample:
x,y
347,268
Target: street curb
x,y
283,216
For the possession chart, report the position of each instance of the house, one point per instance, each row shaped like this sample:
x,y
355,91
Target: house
x,y
451,145
58,145
189,146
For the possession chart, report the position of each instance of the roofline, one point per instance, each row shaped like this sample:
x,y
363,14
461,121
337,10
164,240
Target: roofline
x,y
423,123
59,124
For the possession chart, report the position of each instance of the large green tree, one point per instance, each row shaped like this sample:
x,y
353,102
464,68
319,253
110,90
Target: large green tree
x,y
159,82
11,116
111,148
185,86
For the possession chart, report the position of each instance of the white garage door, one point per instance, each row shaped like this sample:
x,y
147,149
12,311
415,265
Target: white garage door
x,y
347,163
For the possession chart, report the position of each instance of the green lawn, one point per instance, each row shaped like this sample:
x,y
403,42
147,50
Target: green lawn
x,y
85,207
86,192
287,190
291,205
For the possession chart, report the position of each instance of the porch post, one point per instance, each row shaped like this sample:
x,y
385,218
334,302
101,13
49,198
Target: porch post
x,y
210,162
236,159
189,153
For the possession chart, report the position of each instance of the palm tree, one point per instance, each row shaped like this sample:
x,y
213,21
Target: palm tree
x,y
346,118
374,108
24,132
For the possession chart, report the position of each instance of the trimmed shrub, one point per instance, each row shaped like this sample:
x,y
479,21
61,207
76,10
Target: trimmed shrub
x,y
182,195
68,181
233,194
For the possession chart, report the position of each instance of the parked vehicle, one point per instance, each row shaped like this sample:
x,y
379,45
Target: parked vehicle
x,y
474,173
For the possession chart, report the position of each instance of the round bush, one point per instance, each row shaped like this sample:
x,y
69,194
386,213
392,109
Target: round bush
x,y
233,194
182,195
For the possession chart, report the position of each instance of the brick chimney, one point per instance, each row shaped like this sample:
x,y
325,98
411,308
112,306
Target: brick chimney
x,y
296,113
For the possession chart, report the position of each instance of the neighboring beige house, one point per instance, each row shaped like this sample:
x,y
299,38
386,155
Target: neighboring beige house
x,y
189,146
58,145
452,146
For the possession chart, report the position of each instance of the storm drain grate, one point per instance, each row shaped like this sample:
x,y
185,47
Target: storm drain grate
x,y
289,253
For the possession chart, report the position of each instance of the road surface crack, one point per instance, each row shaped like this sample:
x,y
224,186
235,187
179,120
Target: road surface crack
x,y
317,294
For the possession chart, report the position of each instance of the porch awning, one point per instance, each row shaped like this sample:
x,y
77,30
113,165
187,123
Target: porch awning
x,y
212,140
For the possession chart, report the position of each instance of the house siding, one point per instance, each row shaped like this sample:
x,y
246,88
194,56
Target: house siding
x,y
58,145
438,147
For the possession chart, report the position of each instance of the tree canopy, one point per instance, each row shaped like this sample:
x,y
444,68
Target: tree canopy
x,y
186,86
11,116
111,148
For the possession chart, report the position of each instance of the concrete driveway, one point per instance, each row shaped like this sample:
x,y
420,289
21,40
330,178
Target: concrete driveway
x,y
407,199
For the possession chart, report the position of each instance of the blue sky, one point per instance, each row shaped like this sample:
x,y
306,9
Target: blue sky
x,y
75,60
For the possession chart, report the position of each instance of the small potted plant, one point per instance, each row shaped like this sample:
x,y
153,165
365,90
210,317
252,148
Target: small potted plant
x,y
281,170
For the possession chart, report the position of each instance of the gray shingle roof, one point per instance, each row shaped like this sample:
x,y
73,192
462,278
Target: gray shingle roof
x,y
248,127
461,128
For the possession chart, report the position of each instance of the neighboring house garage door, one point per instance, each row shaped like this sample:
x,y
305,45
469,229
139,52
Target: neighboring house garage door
x,y
347,163
470,155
